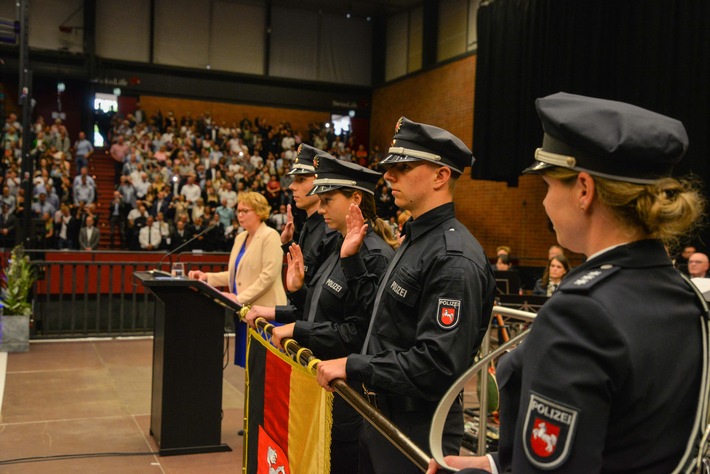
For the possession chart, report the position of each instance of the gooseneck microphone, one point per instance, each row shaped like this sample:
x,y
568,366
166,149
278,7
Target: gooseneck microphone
x,y
159,271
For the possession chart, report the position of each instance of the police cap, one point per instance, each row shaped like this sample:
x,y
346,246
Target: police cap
x,y
303,164
607,138
332,174
418,141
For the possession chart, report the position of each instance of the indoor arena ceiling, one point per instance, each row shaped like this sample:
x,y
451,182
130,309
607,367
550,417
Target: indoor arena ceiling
x,y
362,8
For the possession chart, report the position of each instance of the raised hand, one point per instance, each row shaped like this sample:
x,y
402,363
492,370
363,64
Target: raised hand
x,y
296,270
357,230
287,232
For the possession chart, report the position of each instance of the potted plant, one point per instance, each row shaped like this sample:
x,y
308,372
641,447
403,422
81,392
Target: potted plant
x,y
17,279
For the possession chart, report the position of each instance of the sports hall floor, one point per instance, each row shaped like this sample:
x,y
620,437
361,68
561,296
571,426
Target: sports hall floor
x,y
72,402
84,407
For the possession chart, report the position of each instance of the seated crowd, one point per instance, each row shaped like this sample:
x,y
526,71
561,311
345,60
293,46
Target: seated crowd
x,y
175,178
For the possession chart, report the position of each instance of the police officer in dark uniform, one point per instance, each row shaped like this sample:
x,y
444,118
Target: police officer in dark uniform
x,y
333,325
608,379
316,240
432,306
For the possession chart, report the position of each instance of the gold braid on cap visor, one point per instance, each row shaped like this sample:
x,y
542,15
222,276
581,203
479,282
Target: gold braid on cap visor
x,y
333,182
564,161
414,153
298,166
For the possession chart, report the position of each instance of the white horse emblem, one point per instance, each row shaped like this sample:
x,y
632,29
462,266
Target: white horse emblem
x,y
271,460
541,433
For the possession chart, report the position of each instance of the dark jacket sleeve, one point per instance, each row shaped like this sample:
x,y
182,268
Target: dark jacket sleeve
x,y
333,339
438,355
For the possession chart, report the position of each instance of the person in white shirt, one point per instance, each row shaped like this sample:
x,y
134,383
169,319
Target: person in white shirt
x,y
190,190
227,193
149,236
164,229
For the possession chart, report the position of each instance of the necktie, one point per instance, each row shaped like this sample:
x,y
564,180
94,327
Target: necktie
x,y
149,229
327,268
302,237
381,290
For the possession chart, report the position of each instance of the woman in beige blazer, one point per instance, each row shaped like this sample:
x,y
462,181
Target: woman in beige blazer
x,y
258,259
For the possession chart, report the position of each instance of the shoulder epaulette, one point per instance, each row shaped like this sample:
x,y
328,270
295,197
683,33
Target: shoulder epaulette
x,y
454,244
589,279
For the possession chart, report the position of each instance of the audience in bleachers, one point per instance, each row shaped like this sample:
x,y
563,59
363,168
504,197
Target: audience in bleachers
x,y
178,174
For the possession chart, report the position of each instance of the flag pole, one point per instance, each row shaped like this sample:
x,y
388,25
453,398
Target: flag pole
x,y
389,430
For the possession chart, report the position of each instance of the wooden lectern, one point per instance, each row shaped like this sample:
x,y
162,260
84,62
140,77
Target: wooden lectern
x,y
188,345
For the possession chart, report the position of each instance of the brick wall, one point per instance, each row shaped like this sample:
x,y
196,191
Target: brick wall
x,y
231,113
495,213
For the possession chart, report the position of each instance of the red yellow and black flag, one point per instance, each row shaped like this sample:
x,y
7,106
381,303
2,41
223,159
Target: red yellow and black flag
x,y
288,415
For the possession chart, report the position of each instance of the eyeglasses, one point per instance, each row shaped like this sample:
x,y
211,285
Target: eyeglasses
x,y
696,261
243,211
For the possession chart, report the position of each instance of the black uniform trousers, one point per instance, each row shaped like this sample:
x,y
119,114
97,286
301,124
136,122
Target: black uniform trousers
x,y
378,455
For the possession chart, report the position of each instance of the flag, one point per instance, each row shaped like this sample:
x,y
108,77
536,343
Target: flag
x,y
289,416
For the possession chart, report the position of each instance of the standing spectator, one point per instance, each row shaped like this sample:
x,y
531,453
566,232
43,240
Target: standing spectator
x,y
225,213
149,235
164,229
160,205
128,193
89,236
180,236
84,191
82,151
42,205
84,173
279,218
48,239
226,193
8,198
191,190
214,239
116,219
8,221
118,152
67,229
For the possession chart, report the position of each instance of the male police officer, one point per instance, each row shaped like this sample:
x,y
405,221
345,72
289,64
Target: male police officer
x,y
432,306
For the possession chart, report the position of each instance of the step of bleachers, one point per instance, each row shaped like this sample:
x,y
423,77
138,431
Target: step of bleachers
x,y
102,169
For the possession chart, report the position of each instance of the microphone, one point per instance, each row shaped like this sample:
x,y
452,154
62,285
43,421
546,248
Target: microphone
x,y
158,270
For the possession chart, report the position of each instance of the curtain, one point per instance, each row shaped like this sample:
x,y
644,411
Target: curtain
x,y
651,53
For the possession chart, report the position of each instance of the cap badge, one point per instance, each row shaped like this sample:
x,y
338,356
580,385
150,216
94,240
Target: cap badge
x,y
399,125
316,162
300,148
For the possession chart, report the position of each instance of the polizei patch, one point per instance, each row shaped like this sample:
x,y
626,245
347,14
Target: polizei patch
x,y
448,313
549,432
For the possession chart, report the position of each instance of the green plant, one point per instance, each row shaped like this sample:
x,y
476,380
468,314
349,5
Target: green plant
x,y
17,280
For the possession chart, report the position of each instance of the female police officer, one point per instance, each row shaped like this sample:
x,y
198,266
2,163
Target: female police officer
x,y
609,377
333,324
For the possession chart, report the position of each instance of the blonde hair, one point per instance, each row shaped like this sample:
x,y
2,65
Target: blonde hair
x,y
369,213
257,203
666,209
